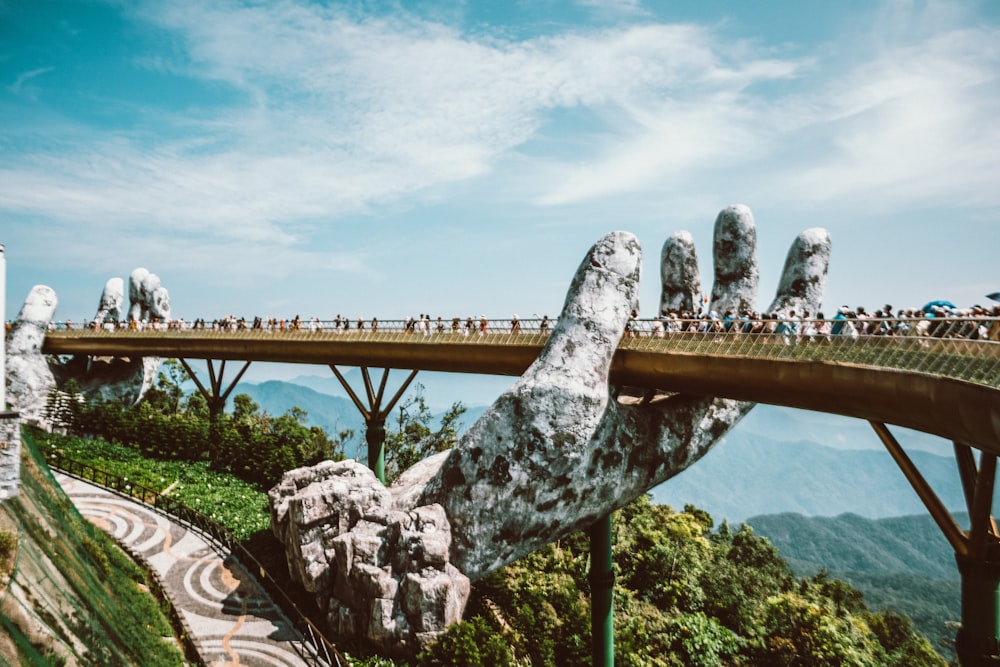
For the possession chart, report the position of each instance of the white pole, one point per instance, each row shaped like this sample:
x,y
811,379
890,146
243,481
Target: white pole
x,y
3,318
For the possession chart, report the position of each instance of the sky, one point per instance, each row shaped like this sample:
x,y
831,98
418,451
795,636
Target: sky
x,y
286,157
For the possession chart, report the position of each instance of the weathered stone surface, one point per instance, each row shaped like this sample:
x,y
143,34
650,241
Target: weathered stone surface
x,y
148,300
804,278
112,301
735,255
29,378
347,545
680,280
10,455
555,452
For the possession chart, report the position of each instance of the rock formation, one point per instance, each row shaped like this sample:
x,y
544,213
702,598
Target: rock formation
x,y
549,457
148,300
124,379
380,573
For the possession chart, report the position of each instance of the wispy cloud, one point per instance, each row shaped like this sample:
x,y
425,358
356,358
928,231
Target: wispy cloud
x,y
22,85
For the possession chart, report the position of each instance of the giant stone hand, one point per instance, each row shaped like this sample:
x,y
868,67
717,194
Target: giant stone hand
x,y
550,456
31,376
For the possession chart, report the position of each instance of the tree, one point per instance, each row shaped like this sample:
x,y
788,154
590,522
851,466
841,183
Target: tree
x,y
166,393
415,438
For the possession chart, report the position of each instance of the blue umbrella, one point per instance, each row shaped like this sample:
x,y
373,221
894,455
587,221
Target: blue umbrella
x,y
937,304
995,296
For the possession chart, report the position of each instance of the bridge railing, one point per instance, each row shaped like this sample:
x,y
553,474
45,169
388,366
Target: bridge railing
x,y
945,350
962,348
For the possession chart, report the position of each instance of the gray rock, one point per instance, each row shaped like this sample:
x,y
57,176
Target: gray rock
x,y
148,300
680,280
384,574
112,299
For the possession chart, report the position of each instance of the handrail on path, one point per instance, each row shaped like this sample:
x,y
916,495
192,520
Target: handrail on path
x,y
322,651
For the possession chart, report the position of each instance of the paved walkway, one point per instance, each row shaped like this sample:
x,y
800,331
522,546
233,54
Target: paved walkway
x,y
231,619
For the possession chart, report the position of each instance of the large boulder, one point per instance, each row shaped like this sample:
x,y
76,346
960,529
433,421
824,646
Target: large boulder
x,y
380,573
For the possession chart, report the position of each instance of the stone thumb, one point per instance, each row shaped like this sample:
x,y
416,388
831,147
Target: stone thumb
x,y
598,304
28,331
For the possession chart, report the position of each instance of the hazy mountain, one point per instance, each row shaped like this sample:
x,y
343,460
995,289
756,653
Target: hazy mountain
x,y
441,390
903,563
332,413
851,543
748,474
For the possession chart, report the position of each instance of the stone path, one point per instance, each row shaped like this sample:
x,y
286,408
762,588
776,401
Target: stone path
x,y
230,617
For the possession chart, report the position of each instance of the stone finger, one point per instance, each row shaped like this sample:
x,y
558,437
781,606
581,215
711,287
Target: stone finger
x,y
680,279
536,437
803,279
735,255
601,296
29,379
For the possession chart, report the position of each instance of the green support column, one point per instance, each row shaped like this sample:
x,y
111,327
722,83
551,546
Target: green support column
x,y
602,584
978,640
375,436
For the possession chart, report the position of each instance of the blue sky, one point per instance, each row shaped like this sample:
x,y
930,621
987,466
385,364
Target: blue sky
x,y
392,159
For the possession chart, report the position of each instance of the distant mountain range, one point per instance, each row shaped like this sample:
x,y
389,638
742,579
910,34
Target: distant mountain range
x,y
331,412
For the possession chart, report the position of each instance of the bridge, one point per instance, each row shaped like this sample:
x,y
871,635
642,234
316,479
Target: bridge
x,y
942,379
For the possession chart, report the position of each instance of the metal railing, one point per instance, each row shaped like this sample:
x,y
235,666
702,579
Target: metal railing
x,y
319,650
961,348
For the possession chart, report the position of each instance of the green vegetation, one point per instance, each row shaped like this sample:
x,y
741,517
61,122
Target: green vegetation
x,y
684,595
902,563
8,542
102,594
415,440
237,505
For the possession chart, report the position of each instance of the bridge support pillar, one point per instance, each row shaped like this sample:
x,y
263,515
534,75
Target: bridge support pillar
x,y
977,550
375,437
215,396
602,585
978,640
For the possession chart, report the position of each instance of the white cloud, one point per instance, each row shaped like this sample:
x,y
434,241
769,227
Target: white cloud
x,y
22,85
912,127
342,114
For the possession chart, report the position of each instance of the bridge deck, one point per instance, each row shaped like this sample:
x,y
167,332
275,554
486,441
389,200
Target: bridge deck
x,y
945,386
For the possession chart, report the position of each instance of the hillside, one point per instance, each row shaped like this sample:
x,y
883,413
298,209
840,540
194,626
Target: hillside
x,y
901,563
70,595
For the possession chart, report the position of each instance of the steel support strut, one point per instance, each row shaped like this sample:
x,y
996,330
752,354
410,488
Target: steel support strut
x,y
602,585
978,640
216,397
374,413
977,551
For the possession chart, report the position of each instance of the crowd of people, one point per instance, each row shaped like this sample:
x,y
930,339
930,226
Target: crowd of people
x,y
936,320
